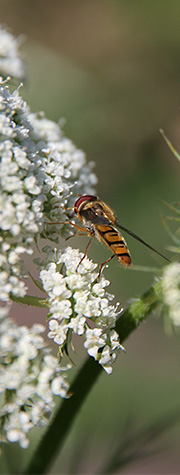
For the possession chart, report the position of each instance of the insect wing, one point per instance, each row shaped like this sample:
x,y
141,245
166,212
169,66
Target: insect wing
x,y
138,238
90,215
96,212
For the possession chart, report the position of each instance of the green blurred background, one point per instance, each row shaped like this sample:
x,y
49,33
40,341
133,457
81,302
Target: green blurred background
x,y
112,70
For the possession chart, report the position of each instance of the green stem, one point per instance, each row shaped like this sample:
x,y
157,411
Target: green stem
x,y
139,311
56,433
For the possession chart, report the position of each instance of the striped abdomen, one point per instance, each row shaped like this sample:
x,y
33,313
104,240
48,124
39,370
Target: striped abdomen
x,y
115,242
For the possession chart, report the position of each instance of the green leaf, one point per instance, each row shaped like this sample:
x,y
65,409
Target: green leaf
x,y
172,208
30,300
171,147
139,443
144,268
173,218
173,237
173,249
37,283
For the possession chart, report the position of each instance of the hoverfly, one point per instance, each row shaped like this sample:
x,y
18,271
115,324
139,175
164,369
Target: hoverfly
x,y
100,222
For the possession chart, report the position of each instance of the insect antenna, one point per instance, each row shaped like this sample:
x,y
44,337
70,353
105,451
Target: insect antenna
x,y
141,240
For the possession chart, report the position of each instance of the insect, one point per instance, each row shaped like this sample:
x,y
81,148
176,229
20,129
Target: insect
x,y
100,222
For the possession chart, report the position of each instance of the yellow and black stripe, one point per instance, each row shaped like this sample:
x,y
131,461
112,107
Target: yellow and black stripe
x,y
114,240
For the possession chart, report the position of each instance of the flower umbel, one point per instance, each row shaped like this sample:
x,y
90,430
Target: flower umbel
x,y
78,304
30,376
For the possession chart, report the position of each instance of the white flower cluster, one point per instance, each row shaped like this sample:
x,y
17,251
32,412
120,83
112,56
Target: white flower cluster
x,y
63,168
20,205
78,304
171,291
38,167
29,378
11,63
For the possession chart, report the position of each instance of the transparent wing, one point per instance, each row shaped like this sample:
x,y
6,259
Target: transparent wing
x,y
135,236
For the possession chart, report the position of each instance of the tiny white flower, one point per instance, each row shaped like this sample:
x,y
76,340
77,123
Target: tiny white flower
x,y
4,312
57,332
11,63
77,324
94,340
17,287
25,392
54,283
31,184
60,308
59,386
76,281
92,308
81,299
17,427
99,288
21,158
106,359
114,340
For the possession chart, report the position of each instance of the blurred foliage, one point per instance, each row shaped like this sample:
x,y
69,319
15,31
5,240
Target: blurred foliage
x,y
111,69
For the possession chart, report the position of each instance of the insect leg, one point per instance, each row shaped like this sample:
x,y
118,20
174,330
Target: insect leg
x,y
78,227
103,263
67,222
77,234
86,251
